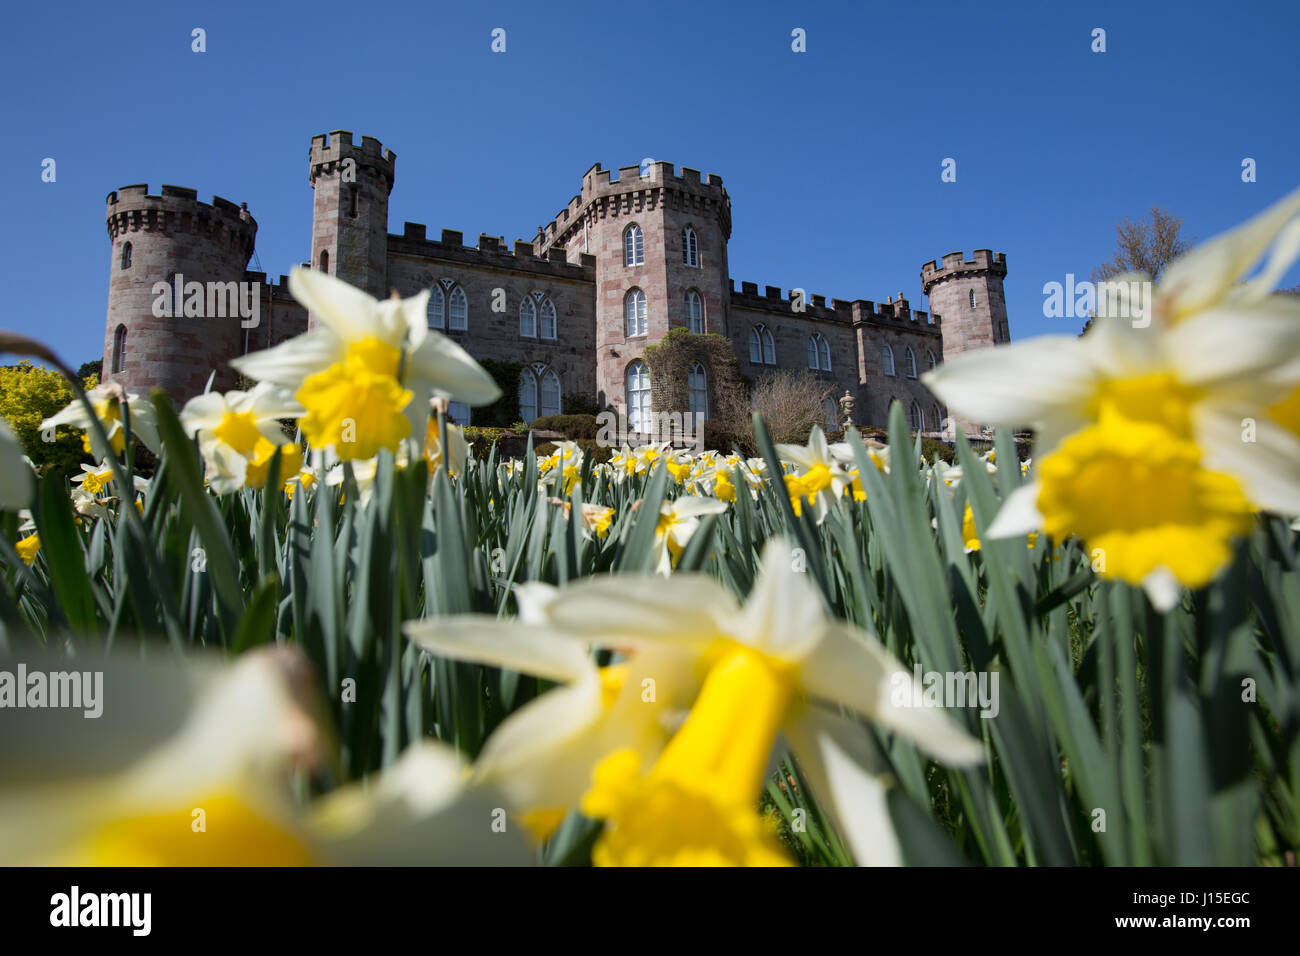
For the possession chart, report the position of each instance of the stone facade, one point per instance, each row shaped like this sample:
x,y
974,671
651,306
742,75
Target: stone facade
x,y
577,264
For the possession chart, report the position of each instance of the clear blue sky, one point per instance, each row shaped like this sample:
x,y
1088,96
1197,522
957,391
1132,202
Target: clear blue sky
x,y
832,157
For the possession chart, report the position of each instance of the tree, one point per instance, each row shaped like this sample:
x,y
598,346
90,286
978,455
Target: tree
x,y
88,369
28,395
1145,245
791,401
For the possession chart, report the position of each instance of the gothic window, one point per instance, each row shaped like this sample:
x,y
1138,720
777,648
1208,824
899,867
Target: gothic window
x,y
527,395
325,261
918,422
638,396
819,353
694,311
126,255
762,347
528,317
971,296
690,248
698,383
938,417
437,310
886,359
930,358
548,319
634,312
119,349
831,409
458,310
550,391
909,363
633,246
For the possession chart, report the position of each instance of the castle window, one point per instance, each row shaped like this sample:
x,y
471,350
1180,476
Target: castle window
x,y
634,312
633,246
458,310
698,383
437,311
638,396
352,202
550,391
690,248
527,395
971,296
762,347
325,261
819,353
119,349
126,255
930,358
887,360
694,312
909,363
528,317
918,422
938,417
458,413
831,408
548,319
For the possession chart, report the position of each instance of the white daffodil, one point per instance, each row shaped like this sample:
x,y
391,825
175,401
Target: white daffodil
x,y
183,768
365,373
239,433
107,400
819,478
1156,440
458,458
678,522
777,665
17,482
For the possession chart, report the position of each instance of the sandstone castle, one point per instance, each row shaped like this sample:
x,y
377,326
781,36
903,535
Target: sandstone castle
x,y
628,259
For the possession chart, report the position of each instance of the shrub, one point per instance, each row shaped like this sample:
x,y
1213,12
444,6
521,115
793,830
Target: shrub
x,y
573,427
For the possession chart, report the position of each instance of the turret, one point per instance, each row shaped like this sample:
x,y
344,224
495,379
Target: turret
x,y
349,227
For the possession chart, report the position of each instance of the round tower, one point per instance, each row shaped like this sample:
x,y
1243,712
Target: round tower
x,y
660,242
349,222
174,265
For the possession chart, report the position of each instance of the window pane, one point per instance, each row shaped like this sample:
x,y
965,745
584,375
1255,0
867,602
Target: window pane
x,y
527,395
458,317
437,308
755,348
769,348
826,355
550,393
458,413
887,360
548,319
527,317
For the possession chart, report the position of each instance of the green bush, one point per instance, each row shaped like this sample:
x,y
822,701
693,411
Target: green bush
x,y
573,427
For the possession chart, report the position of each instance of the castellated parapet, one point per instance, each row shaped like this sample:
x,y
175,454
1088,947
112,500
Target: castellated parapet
x,y
982,262
153,239
350,208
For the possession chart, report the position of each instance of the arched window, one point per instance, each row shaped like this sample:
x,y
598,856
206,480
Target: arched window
x,y
762,347
458,310
909,363
325,261
831,409
930,358
633,246
119,349
690,248
698,382
937,422
819,353
437,311
528,317
527,395
694,311
548,319
126,255
634,311
887,360
638,396
550,391
971,295
918,422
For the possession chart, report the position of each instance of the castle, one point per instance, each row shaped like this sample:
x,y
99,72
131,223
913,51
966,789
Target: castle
x,y
628,259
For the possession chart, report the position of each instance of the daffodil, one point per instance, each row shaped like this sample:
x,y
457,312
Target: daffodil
x,y
365,373
678,522
107,401
779,665
459,454
17,484
819,478
239,433
28,548
1157,434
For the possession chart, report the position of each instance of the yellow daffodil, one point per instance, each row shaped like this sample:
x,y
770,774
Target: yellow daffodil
x,y
819,477
459,455
678,522
107,400
28,547
1159,432
239,433
365,373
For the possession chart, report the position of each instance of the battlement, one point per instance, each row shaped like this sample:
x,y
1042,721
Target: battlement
x,y
329,149
176,208
895,313
982,261
490,251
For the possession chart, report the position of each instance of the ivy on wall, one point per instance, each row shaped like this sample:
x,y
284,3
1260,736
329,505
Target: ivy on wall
x,y
670,362
504,412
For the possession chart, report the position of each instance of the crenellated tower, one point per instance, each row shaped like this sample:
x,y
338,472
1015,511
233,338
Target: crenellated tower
x,y
349,223
156,238
679,265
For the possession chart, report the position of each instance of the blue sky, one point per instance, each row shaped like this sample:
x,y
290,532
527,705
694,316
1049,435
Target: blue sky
x,y
832,157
